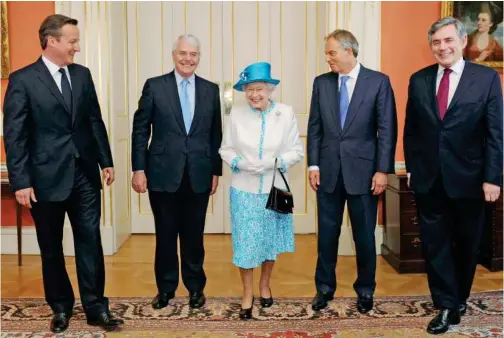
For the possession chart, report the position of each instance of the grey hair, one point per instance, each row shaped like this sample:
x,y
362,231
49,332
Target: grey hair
x,y
271,86
447,21
346,40
189,38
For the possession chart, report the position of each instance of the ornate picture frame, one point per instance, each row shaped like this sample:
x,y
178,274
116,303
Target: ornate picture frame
x,y
5,61
470,12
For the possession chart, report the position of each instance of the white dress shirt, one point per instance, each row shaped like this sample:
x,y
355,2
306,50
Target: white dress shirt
x,y
352,80
455,75
191,87
350,84
54,70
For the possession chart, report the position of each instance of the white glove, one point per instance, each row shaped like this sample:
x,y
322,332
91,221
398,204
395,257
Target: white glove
x,y
243,165
261,166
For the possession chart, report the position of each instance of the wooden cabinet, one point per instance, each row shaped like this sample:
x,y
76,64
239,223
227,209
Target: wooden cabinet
x,y
491,241
402,247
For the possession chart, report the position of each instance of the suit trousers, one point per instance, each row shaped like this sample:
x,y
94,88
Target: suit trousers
x,y
362,210
84,211
450,229
179,214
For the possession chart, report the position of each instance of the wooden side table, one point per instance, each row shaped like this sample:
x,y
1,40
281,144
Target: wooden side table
x,y
8,194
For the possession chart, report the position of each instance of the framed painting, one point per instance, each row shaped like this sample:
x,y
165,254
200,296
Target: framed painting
x,y
483,22
5,42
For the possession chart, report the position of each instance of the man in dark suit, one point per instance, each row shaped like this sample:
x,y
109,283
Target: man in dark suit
x,y
181,167
55,141
453,153
352,134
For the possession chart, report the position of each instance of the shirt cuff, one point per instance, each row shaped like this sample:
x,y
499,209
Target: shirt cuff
x,y
313,167
234,164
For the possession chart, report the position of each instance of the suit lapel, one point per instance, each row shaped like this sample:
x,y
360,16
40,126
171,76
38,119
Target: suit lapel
x,y
48,81
76,90
174,99
332,93
198,107
357,97
430,87
466,81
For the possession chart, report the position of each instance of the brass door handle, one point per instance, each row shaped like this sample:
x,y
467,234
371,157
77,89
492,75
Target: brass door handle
x,y
416,242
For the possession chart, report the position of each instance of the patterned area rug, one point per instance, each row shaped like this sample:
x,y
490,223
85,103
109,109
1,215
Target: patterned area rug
x,y
288,317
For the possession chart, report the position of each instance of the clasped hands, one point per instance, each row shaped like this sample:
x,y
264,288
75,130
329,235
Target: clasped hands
x,y
257,167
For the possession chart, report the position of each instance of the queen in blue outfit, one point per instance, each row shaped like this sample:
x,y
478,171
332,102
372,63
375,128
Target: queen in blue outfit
x,y
256,134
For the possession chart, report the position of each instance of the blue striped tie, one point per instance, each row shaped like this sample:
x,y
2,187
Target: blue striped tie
x,y
344,102
186,105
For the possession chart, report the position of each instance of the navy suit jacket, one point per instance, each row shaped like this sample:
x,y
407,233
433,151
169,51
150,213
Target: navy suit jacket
x,y
171,147
366,143
43,136
466,146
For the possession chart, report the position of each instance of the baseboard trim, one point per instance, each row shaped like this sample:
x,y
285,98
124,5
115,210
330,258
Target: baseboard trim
x,y
29,245
347,245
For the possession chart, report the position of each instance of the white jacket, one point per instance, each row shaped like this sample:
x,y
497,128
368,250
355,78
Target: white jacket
x,y
250,136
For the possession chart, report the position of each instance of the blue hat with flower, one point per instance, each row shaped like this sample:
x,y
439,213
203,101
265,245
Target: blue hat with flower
x,y
256,72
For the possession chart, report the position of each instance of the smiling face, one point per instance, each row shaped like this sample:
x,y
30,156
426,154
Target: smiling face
x,y
447,46
62,49
186,58
257,94
339,59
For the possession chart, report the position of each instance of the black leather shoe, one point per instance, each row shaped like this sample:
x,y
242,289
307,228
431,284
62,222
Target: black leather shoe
x,y
364,303
320,300
161,300
105,320
463,309
247,313
196,299
267,302
59,322
441,323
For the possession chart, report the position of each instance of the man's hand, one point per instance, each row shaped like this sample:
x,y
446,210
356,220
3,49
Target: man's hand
x,y
108,175
492,192
314,177
139,182
215,184
24,196
379,183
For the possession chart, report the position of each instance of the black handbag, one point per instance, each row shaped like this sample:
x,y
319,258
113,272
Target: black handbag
x,y
280,200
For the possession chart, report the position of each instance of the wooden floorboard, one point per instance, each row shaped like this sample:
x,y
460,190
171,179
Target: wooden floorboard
x,y
130,272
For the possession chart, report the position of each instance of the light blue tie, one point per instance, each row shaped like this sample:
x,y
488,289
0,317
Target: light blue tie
x,y
344,102
186,104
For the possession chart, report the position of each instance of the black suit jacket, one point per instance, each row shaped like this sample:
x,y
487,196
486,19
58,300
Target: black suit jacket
x,y
466,146
43,137
366,143
171,146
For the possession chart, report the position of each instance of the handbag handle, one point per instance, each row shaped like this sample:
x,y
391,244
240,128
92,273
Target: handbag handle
x,y
283,177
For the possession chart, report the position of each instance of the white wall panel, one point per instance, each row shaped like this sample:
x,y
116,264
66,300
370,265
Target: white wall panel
x,y
124,43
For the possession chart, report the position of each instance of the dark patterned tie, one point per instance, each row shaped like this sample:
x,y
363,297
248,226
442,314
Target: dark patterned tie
x,y
66,90
442,94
